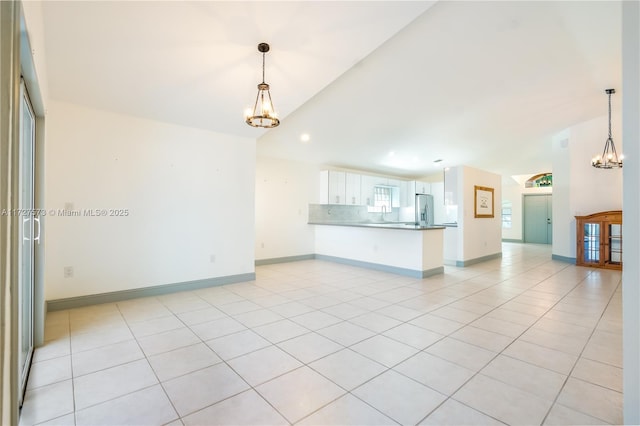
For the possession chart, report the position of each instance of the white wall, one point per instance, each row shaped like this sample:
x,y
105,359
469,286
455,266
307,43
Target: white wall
x,y
631,230
563,233
284,190
480,236
189,193
579,188
35,31
594,189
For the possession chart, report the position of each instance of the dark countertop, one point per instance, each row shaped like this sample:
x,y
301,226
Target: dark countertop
x,y
385,225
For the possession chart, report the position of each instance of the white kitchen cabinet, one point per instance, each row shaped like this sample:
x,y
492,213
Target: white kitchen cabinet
x,y
411,193
451,186
353,189
423,187
358,190
405,193
413,188
332,187
367,184
439,211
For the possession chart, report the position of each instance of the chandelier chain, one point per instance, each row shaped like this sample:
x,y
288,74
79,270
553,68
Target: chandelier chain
x,y
609,113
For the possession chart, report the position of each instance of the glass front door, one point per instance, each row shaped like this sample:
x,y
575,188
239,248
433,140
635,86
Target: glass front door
x,y
29,225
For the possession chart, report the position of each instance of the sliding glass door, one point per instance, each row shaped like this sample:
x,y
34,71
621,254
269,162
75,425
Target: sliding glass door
x,y
29,225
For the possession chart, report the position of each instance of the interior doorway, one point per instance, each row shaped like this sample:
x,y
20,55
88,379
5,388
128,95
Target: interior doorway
x,y
537,219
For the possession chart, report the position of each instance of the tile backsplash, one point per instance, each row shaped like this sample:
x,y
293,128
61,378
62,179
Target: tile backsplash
x,y
345,214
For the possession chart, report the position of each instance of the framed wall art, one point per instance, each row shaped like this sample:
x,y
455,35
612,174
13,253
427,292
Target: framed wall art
x,y
483,202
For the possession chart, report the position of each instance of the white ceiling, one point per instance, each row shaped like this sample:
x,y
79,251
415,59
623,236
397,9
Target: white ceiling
x,y
196,63
479,83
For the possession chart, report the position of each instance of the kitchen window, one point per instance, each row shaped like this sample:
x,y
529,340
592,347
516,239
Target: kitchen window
x,y
381,199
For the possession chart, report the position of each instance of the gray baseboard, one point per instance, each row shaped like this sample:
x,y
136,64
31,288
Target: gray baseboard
x,y
384,268
563,258
285,259
469,262
117,296
511,240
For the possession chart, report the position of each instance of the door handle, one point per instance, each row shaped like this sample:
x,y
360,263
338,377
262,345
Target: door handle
x,y
30,238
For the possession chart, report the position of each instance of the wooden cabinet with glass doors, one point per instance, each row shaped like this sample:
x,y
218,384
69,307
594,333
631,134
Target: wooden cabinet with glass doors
x,y
599,240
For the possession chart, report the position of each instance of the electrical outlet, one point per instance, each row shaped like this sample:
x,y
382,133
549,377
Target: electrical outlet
x,y
212,258
68,271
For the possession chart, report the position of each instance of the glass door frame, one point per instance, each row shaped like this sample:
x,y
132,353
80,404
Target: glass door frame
x,y
29,235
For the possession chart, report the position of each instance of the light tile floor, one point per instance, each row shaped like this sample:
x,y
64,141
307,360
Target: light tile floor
x,y
518,340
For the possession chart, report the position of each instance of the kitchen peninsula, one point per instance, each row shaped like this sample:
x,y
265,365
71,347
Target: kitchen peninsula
x,y
400,248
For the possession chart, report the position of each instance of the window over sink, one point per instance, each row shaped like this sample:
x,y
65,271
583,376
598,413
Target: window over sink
x,y
382,199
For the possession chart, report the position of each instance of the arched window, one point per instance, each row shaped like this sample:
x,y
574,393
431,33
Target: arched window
x,y
539,181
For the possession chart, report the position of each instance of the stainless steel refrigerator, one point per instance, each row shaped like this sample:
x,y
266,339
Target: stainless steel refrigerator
x,y
424,209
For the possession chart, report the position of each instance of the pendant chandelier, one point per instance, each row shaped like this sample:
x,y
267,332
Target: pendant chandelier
x,y
609,158
263,113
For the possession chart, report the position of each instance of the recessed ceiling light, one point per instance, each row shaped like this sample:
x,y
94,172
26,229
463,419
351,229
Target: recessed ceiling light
x,y
391,153
305,137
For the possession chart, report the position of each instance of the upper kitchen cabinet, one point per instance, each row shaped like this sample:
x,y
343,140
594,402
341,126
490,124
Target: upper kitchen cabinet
x,y
333,188
413,188
368,184
451,186
405,193
353,189
423,187
358,190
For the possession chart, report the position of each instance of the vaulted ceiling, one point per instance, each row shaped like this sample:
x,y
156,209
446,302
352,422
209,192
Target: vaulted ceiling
x,y
384,86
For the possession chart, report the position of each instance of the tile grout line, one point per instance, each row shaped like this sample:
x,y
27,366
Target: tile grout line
x,y
146,358
228,366
555,401
419,350
501,353
314,283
